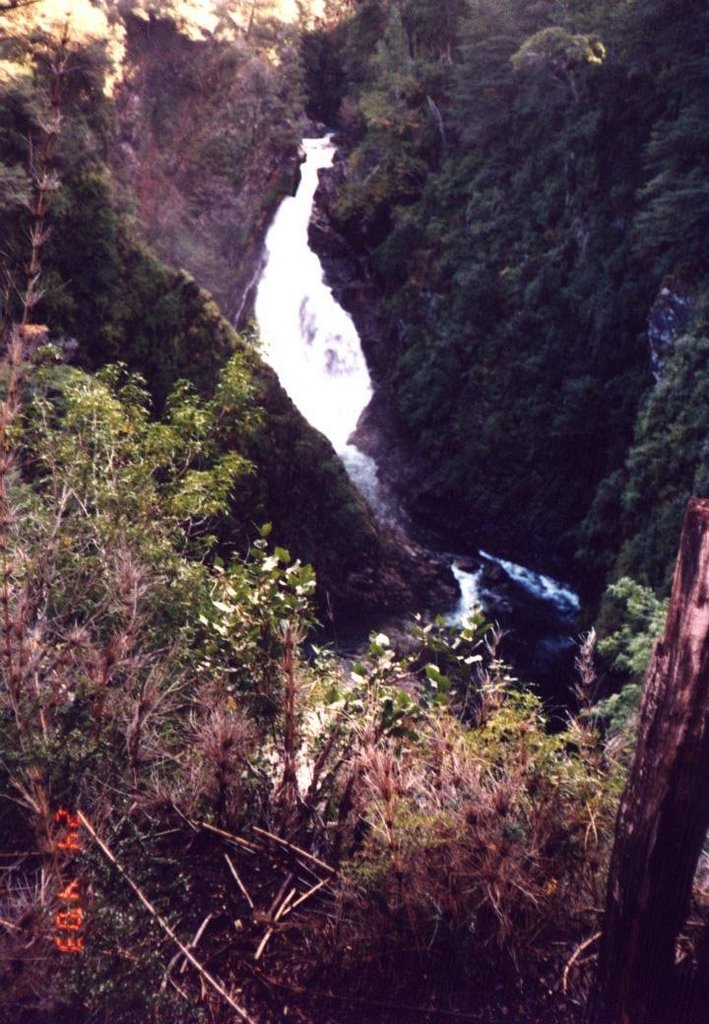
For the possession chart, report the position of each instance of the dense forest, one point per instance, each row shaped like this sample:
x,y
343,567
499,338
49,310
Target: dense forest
x,y
207,813
528,182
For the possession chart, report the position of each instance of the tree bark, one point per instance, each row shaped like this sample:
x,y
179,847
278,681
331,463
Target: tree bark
x,y
664,812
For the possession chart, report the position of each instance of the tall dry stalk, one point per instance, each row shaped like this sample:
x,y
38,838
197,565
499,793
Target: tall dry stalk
x,y
288,792
16,646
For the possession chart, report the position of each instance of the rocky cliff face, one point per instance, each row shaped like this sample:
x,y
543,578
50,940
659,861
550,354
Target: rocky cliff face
x,y
347,272
206,146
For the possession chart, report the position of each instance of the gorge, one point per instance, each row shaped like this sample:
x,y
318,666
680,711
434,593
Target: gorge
x,y
252,764
313,345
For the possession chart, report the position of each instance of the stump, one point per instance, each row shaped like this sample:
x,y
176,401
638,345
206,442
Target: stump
x,y
664,812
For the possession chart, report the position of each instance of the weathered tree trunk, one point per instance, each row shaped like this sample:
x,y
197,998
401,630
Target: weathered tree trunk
x,y
664,811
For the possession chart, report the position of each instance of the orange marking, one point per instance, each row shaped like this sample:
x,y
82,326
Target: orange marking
x,y
69,842
64,817
71,893
69,920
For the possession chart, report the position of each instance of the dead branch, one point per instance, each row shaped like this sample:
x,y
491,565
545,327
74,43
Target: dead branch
x,y
198,935
279,895
574,957
238,881
298,850
282,909
307,895
178,954
276,918
159,920
226,835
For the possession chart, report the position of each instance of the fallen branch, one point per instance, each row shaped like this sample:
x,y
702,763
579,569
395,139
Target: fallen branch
x,y
282,909
270,930
263,943
574,957
198,935
307,895
202,971
279,895
294,849
238,881
228,835
178,954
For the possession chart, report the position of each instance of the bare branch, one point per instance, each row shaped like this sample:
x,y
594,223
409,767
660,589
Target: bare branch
x,y
162,923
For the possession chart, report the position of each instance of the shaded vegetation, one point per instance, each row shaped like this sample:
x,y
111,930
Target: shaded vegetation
x,y
399,835
523,178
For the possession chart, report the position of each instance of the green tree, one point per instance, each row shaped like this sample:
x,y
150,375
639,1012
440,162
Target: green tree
x,y
667,464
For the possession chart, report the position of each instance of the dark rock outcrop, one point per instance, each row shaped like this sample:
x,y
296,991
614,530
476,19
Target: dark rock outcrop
x,y
346,268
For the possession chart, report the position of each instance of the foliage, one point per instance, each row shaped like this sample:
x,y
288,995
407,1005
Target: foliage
x,y
104,580
633,626
179,468
518,243
632,619
463,855
164,693
668,463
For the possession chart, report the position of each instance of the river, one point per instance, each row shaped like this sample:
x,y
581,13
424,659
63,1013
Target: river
x,y
313,345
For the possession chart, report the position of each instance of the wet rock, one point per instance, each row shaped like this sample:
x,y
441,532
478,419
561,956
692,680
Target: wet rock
x,y
345,265
330,245
407,579
538,637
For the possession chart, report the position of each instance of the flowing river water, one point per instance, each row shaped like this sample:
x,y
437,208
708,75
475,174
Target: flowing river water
x,y
313,345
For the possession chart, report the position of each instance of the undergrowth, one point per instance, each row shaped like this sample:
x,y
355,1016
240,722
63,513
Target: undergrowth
x,y
173,763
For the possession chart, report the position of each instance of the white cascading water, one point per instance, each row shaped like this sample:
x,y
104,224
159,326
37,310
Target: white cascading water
x,y
468,583
543,587
308,338
313,345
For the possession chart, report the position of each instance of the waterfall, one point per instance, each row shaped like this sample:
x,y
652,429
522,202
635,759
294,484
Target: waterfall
x,y
313,345
309,339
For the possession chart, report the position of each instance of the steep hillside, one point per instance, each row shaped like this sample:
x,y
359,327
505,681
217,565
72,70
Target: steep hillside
x,y
521,180
206,814
195,127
